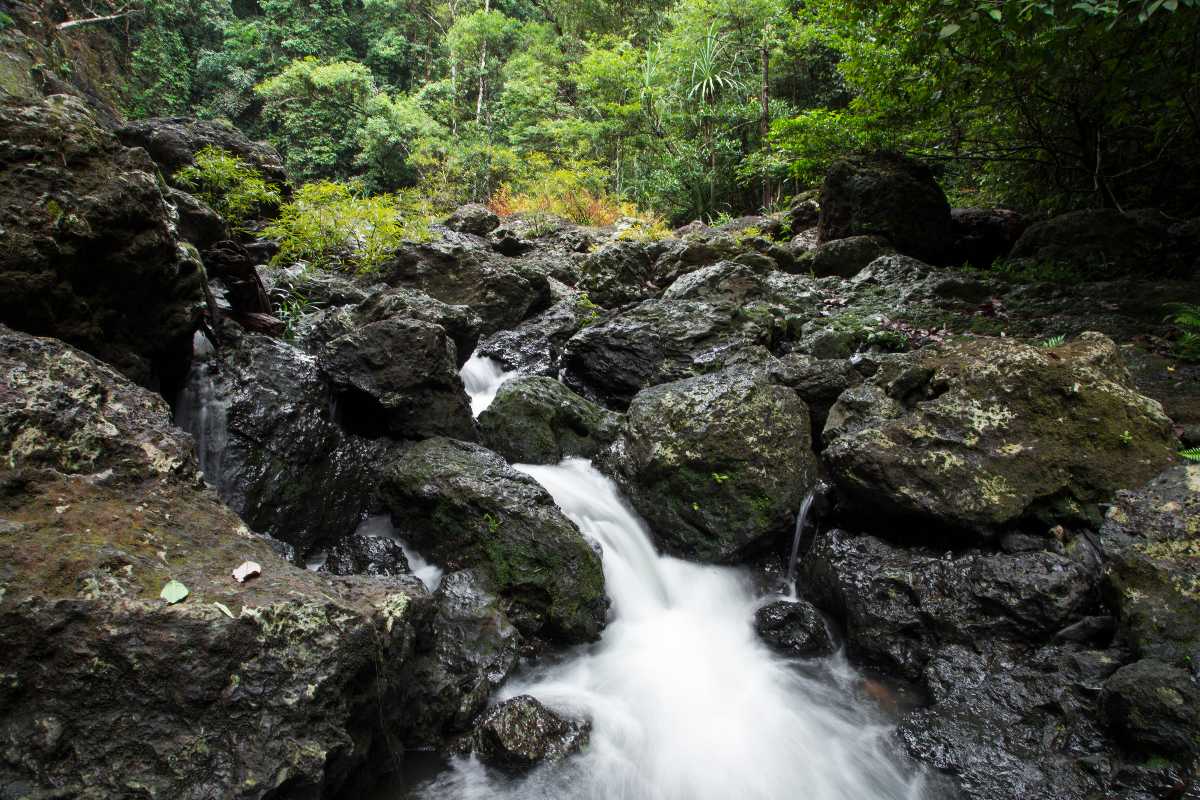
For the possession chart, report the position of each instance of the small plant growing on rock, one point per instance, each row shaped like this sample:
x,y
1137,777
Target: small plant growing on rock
x,y
584,304
1054,341
492,522
1191,454
1126,439
720,477
229,185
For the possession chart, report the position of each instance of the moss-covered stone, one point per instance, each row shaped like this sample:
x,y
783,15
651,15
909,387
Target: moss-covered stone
x,y
539,421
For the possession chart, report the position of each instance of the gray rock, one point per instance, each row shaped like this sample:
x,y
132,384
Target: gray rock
x,y
844,258
521,733
1154,708
473,218
537,420
535,346
174,141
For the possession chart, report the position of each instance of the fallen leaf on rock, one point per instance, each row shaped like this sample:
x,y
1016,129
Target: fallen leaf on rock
x,y
224,610
247,569
173,592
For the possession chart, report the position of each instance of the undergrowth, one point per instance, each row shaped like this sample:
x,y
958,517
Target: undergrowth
x,y
230,186
1186,319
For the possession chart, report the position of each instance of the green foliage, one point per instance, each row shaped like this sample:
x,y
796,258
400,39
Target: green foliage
x,y
1126,439
230,186
1186,319
1054,341
334,226
492,522
291,307
584,303
1191,454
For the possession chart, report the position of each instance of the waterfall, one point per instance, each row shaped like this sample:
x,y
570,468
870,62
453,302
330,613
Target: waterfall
x,y
202,410
381,526
801,518
686,703
482,376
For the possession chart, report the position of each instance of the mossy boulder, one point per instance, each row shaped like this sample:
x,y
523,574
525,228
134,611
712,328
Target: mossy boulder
x,y
537,420
284,684
979,434
1099,242
718,464
464,507
1151,540
1154,709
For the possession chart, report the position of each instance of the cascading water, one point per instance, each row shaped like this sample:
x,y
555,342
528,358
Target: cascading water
x,y
202,411
801,519
482,377
380,525
686,703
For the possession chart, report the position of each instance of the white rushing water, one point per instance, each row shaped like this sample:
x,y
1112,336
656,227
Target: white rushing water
x,y
380,525
202,411
686,702
482,377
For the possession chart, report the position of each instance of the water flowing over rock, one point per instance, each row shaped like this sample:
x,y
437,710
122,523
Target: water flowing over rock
x,y
521,733
283,684
981,434
718,464
91,255
539,421
464,507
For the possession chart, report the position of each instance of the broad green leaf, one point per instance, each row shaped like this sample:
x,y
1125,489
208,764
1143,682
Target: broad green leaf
x,y
996,14
173,592
949,30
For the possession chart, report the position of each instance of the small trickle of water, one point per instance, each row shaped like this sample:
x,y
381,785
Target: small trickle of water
x,y
202,411
380,526
685,701
482,376
801,520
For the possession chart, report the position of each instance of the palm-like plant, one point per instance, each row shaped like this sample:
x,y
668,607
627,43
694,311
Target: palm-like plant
x,y
714,70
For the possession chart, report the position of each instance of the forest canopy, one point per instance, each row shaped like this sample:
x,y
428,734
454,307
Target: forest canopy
x,y
691,109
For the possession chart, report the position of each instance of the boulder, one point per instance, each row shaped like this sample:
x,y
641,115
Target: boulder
x,y
460,322
366,555
197,224
976,435
466,649
844,258
818,381
174,141
619,272
1154,709
91,255
890,196
284,684
1151,540
535,346
1102,243
537,420
793,628
984,235
473,218
464,507
897,606
398,377
717,464
521,733
725,282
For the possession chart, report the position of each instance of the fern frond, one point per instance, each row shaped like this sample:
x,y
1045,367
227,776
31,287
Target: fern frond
x,y
1191,454
1054,341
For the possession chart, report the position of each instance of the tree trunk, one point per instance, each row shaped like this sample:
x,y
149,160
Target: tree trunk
x,y
487,8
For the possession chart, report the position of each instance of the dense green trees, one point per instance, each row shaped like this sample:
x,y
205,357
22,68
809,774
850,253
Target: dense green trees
x,y
695,107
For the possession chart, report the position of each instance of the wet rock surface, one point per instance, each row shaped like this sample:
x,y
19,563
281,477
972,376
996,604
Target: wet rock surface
x,y
174,141
537,420
717,465
521,733
464,507
794,628
535,346
366,555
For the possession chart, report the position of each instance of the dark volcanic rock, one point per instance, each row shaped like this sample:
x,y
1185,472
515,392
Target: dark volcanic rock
x,y
366,555
898,606
90,252
473,218
844,258
793,628
980,433
198,224
1099,242
521,733
174,141
535,346
619,273
983,235
285,684
890,196
1151,541
461,323
726,282
716,464
1154,709
537,420
464,507
400,377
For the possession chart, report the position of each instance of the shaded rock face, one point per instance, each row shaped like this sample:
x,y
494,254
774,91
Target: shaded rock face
x,y
110,692
366,555
817,381
898,606
1152,572
464,507
842,257
460,322
890,196
198,225
537,420
618,273
174,141
465,651
793,628
1154,709
473,218
398,377
535,346
268,441
983,235
981,434
521,733
1099,242
727,282
717,465
91,255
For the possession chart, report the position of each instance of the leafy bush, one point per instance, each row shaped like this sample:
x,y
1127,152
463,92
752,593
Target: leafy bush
x,y
334,226
573,194
232,187
1186,318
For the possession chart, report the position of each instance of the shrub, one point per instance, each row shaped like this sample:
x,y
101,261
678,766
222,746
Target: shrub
x,y
232,187
334,226
1186,319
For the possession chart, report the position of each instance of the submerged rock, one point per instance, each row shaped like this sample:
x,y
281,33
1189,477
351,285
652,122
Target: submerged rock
x,y
285,684
464,507
718,464
794,628
521,733
539,421
981,433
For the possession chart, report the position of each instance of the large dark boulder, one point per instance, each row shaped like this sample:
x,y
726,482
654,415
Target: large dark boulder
x,y
535,346
285,684
90,251
794,628
460,322
717,464
844,258
724,282
983,235
1102,243
464,507
537,420
398,377
1151,540
521,733
1154,709
366,555
174,141
473,218
618,273
898,606
890,196
976,435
